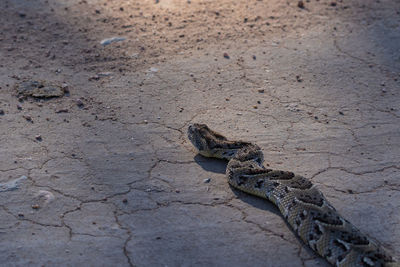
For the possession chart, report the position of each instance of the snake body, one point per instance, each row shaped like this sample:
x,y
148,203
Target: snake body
x,y
302,205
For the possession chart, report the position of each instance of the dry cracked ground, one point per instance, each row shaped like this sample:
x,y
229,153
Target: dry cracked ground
x,y
104,175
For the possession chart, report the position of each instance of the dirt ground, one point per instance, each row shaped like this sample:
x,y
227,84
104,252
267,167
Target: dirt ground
x,y
103,175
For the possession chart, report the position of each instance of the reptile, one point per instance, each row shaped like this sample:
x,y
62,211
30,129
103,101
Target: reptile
x,y
302,205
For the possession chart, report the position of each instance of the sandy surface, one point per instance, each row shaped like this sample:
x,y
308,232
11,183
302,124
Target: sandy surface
x,y
104,175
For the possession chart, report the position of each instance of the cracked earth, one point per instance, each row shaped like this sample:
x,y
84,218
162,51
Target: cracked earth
x,y
104,175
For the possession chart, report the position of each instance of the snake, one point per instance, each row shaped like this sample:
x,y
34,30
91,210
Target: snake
x,y
302,205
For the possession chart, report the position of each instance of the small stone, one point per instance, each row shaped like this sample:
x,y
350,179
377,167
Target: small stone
x,y
65,88
108,41
63,110
261,91
19,107
299,79
153,69
254,57
21,215
2,112
300,4
35,206
94,78
333,4
226,55
206,181
341,113
38,137
350,191
39,89
124,201
384,90
104,74
80,103
28,118
177,191
255,107
316,117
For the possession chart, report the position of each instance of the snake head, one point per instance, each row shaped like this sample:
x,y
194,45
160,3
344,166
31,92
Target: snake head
x,y
213,144
204,139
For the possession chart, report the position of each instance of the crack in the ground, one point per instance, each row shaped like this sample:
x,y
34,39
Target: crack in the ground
x,y
383,68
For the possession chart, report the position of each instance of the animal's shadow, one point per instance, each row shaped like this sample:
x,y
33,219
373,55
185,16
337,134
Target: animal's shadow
x,y
219,166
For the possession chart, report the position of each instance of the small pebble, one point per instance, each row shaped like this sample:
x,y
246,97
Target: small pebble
x,y
35,207
226,55
39,138
104,74
261,91
153,69
254,57
300,4
341,113
112,40
63,110
2,112
79,103
19,107
124,201
206,181
28,118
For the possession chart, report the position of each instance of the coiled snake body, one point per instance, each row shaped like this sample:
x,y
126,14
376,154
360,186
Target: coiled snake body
x,y
302,205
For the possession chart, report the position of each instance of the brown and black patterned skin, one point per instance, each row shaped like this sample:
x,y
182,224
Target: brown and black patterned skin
x,y
302,205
